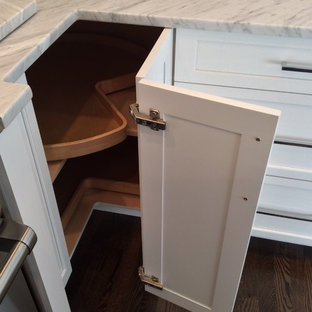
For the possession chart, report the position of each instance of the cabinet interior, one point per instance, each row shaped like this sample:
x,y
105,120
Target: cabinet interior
x,y
82,88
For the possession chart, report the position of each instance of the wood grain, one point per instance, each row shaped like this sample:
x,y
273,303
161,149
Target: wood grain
x,y
307,280
119,163
276,277
120,92
106,271
89,192
95,126
55,168
283,282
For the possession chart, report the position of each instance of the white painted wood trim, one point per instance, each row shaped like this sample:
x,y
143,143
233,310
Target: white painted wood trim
x,y
289,161
178,299
157,66
29,206
295,123
283,229
47,190
55,227
286,197
207,57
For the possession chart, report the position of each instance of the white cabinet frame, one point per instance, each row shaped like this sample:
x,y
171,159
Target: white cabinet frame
x,y
23,193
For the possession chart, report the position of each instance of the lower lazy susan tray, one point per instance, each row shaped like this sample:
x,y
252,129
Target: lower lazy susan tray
x,y
90,192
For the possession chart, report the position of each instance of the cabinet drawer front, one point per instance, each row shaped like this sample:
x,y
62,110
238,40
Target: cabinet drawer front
x,y
295,124
283,229
244,60
286,197
289,161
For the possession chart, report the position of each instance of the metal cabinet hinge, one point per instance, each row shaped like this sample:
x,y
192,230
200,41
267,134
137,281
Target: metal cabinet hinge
x,y
153,121
149,280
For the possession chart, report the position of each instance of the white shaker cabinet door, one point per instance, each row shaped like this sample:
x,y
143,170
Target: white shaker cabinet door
x,y
200,182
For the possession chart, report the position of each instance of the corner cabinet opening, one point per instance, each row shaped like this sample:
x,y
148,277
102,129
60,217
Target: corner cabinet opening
x,y
83,86
196,180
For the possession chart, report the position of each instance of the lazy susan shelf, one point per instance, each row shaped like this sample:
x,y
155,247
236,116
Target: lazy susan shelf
x,y
120,92
97,126
82,90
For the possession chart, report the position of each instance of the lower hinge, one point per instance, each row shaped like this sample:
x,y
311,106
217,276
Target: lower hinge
x,y
149,280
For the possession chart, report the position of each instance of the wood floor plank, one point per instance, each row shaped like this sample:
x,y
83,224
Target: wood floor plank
x,y
278,276
105,264
307,279
282,279
257,280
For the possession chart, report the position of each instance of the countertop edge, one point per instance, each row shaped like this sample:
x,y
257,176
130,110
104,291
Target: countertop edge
x,y
12,106
194,23
18,19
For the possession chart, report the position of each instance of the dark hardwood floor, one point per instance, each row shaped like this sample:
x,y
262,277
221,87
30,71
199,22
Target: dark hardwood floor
x,y
277,277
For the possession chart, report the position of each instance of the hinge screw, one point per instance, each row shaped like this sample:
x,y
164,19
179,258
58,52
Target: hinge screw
x,y
154,114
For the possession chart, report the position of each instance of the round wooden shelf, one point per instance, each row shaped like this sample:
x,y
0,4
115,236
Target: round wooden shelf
x,y
76,84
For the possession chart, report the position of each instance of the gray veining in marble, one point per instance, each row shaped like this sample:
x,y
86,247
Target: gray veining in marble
x,y
14,13
292,18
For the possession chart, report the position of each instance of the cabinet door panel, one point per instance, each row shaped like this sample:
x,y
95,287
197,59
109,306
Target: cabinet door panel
x,y
200,182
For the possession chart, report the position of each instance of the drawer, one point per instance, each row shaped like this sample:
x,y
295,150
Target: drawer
x,y
244,60
293,162
295,124
282,229
286,197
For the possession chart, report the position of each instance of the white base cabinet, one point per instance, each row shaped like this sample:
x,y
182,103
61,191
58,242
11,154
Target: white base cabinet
x,y
200,178
272,72
23,192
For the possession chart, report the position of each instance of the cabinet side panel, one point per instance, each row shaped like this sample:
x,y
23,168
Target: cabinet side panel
x,y
159,63
17,159
47,191
56,229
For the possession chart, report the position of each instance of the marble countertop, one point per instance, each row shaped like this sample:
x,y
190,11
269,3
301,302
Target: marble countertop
x,y
18,51
14,13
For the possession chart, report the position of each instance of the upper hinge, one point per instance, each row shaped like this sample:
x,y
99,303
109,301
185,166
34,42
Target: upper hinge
x,y
149,280
153,121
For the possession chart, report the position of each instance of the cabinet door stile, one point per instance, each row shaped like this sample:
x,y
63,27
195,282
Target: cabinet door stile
x,y
157,66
